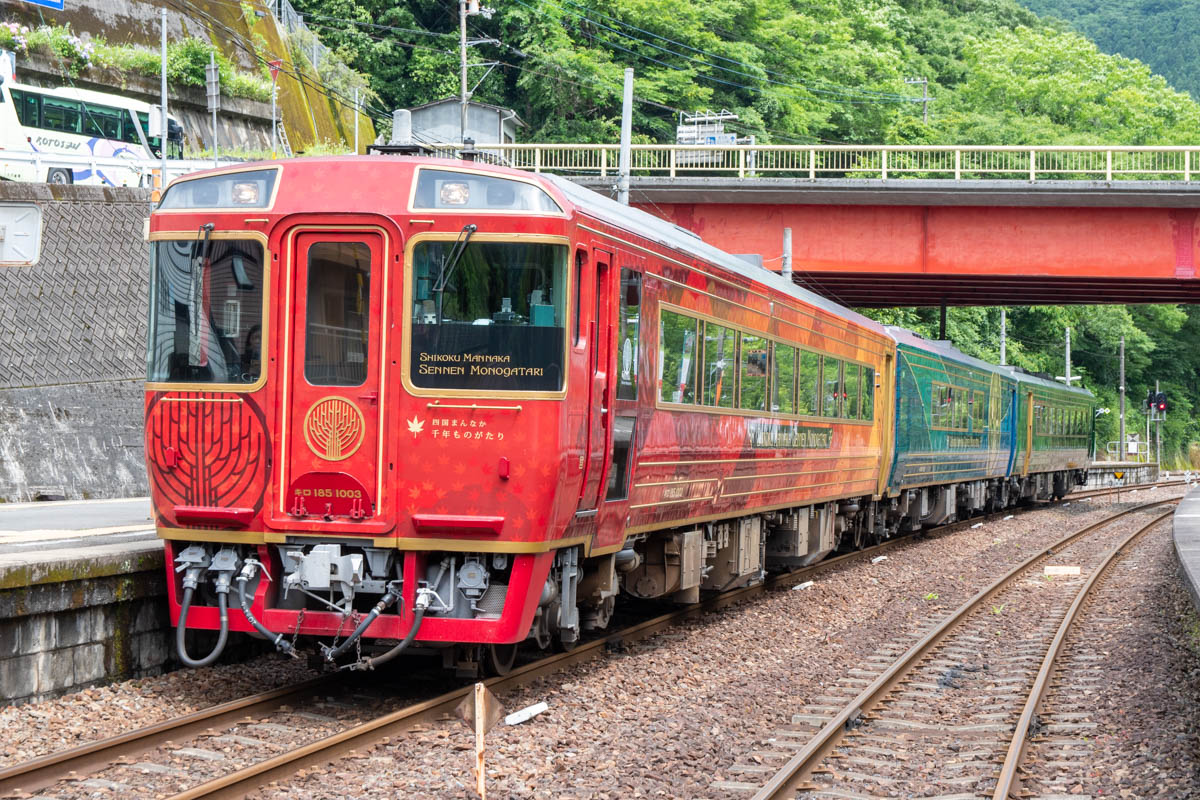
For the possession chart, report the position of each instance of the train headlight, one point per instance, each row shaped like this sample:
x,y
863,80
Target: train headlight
x,y
245,193
455,194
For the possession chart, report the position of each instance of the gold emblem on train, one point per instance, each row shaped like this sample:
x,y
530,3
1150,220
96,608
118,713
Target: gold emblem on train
x,y
334,428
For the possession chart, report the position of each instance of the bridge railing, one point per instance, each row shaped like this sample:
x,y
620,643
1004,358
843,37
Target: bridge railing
x,y
859,161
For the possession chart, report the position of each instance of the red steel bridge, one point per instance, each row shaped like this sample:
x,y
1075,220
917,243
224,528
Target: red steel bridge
x,y
887,226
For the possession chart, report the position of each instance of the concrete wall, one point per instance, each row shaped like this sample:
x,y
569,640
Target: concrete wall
x,y
72,345
70,619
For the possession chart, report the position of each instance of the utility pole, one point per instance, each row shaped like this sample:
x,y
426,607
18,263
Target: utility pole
x,y
924,96
1068,372
163,127
213,88
1003,336
626,139
1121,387
462,56
356,107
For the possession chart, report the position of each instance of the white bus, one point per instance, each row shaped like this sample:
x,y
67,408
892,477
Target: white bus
x,y
51,134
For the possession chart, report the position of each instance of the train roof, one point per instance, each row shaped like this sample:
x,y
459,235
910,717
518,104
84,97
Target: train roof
x,y
944,349
658,230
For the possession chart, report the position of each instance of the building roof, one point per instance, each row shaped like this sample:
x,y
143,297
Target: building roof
x,y
514,118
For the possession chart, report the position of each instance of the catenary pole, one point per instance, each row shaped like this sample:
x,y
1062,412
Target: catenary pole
x,y
1003,336
1121,387
163,126
626,138
356,107
1067,374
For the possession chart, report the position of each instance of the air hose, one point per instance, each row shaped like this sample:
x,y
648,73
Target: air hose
x,y
247,574
392,595
424,598
181,629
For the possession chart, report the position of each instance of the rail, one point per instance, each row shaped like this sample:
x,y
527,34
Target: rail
x,y
792,776
815,162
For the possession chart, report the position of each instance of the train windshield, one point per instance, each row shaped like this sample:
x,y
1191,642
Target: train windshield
x,y
206,303
488,316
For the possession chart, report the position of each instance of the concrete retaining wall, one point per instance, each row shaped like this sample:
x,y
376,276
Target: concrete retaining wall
x,y
74,618
1101,474
72,345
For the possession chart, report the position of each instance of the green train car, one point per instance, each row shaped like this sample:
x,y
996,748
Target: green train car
x,y
971,436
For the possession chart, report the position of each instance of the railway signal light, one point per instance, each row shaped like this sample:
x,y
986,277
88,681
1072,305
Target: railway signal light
x,y
1160,402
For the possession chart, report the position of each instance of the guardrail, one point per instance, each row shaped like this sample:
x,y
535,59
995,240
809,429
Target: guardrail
x,y
860,161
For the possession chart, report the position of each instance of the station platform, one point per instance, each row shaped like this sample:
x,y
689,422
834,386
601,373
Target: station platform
x,y
82,596
1186,534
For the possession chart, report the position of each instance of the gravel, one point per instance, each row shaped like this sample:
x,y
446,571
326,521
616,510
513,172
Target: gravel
x,y
667,717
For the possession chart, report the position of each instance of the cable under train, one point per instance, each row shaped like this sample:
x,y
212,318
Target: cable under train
x,y
440,405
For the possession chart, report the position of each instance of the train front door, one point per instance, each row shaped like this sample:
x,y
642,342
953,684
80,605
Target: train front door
x,y
334,364
599,418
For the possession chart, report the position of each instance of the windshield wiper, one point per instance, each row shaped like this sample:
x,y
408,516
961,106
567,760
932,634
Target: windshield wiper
x,y
196,355
450,262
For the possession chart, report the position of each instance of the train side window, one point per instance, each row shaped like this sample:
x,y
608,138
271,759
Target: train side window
x,y
677,358
622,448
831,387
338,314
753,378
851,393
578,293
940,413
866,408
628,336
718,365
783,379
978,406
809,395
962,408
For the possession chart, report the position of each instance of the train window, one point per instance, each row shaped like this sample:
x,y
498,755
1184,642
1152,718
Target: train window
x,y
783,379
718,365
962,408
488,316
831,387
850,395
939,397
808,395
205,311
629,310
579,259
866,408
337,325
978,411
676,357
752,391
448,190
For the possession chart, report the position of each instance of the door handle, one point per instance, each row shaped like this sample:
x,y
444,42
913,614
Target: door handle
x,y
369,397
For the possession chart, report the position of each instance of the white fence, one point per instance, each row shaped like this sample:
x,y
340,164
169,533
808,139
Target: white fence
x,y
813,162
860,161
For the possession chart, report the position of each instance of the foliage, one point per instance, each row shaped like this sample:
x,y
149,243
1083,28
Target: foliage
x,y
186,58
1164,35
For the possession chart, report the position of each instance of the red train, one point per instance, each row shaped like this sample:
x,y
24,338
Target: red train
x,y
399,401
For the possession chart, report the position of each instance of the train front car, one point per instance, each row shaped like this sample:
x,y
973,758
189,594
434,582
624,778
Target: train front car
x,y
357,409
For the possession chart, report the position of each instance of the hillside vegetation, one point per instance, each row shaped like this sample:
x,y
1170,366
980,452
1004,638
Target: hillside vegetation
x,y
823,71
1164,35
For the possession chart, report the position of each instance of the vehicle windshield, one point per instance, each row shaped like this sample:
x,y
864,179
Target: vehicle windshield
x,y
206,303
492,318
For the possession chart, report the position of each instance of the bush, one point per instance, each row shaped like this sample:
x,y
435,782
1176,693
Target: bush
x,y
186,59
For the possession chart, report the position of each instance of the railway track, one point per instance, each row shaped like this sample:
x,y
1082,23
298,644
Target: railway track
x,y
938,714
231,721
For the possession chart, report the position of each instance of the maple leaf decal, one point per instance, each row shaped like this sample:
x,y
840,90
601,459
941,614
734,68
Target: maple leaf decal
x,y
415,425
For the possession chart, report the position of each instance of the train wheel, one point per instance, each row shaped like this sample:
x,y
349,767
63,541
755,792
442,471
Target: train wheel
x,y
498,659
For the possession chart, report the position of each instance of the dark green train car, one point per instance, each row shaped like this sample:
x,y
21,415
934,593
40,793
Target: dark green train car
x,y
1054,433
